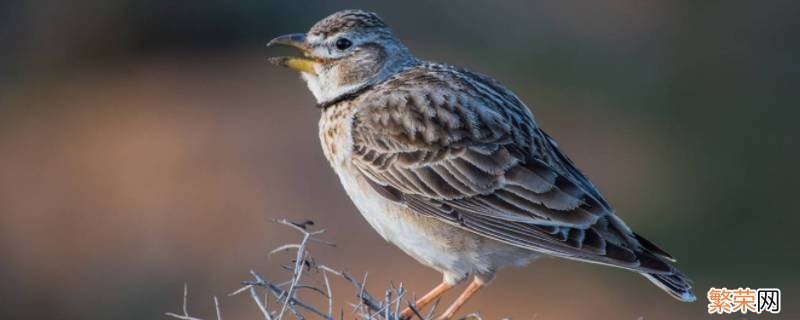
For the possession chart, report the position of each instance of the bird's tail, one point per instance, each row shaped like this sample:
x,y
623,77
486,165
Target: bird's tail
x,y
675,283
672,281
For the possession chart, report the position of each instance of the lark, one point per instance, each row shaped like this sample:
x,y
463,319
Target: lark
x,y
451,167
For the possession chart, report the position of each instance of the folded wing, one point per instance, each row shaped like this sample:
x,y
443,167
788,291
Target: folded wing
x,y
464,150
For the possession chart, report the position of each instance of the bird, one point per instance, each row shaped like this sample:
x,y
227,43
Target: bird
x,y
451,166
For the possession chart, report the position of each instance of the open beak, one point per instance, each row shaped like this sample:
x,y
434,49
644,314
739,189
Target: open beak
x,y
296,40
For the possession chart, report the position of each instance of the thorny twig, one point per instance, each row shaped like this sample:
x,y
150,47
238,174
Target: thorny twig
x,y
368,308
299,260
185,307
280,294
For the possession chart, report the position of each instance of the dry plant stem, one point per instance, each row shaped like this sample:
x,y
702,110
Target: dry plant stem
x,y
363,295
261,306
185,307
427,299
401,291
387,305
329,292
299,261
280,294
433,309
285,293
216,307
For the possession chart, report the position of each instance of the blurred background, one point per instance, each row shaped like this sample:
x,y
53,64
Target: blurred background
x,y
144,144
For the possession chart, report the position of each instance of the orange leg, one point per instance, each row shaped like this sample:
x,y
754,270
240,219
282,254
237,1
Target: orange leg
x,y
426,300
473,287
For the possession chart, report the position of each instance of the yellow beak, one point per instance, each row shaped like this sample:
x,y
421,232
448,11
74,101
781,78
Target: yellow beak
x,y
296,40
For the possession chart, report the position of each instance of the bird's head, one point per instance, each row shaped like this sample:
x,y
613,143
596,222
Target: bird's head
x,y
343,53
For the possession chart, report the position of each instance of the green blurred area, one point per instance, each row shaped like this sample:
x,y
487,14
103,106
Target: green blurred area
x,y
684,113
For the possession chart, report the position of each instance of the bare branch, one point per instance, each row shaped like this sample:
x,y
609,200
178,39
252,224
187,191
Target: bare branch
x,y
281,294
304,275
185,315
330,293
261,306
284,248
185,293
216,307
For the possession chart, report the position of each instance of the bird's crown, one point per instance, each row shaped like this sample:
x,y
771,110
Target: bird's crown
x,y
347,20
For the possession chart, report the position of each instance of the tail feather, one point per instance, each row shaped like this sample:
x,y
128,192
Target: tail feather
x,y
652,247
675,283
672,281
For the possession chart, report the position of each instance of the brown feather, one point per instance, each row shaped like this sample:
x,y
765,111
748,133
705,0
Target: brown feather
x,y
487,176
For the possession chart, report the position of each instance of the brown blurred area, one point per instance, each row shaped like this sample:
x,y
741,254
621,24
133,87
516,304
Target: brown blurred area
x,y
148,144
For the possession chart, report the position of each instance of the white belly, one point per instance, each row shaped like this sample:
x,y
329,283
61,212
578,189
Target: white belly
x,y
394,223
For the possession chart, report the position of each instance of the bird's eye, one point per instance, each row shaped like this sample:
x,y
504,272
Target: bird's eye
x,y
343,43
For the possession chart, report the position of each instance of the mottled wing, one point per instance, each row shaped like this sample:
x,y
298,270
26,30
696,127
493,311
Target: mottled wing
x,y
459,147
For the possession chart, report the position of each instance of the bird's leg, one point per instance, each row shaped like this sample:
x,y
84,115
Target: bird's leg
x,y
473,287
423,302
